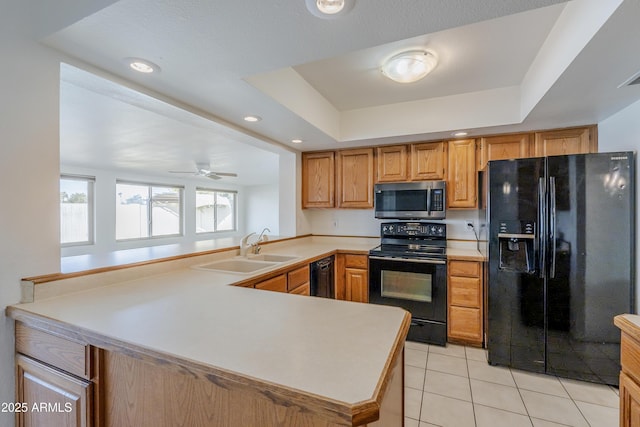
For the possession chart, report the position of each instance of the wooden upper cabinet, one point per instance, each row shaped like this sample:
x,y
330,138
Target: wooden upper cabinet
x,y
566,141
392,163
504,147
318,180
462,182
355,178
428,161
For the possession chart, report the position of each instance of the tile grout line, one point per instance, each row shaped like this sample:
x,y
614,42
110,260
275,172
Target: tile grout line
x,y
521,398
574,402
473,406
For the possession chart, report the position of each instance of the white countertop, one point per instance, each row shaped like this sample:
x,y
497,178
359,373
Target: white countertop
x,y
334,349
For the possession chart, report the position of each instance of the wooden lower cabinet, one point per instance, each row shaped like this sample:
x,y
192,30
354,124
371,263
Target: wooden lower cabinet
x,y
630,374
629,402
352,277
277,284
465,307
50,397
295,281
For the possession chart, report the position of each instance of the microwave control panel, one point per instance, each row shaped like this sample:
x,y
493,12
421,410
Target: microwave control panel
x,y
437,200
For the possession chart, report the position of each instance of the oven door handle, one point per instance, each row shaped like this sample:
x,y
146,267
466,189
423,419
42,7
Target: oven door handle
x,y
416,260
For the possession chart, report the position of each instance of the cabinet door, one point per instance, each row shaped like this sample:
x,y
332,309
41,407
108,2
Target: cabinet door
x,y
318,180
392,163
277,284
504,147
304,289
462,182
60,399
428,161
297,277
629,402
566,141
355,178
357,284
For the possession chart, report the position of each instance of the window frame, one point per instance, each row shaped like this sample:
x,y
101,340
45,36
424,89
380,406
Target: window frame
x,y
215,191
91,201
150,186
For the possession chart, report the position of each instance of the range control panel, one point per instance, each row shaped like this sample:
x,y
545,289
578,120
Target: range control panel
x,y
413,229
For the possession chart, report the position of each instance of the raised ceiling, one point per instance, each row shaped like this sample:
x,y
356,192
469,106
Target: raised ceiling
x,y
504,65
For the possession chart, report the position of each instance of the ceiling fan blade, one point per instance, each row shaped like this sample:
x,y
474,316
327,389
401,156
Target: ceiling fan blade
x,y
225,173
192,172
213,176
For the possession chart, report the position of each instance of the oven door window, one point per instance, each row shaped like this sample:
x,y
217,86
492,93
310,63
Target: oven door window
x,y
406,285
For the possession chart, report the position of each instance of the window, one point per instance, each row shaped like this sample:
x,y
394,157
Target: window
x,y
146,210
76,210
215,210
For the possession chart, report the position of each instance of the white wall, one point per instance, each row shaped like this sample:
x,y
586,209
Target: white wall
x,y
261,208
621,132
29,111
105,210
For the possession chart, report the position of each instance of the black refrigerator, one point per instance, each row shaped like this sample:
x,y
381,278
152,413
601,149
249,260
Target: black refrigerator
x,y
561,263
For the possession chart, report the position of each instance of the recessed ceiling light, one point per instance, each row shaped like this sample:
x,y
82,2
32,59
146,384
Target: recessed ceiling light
x,y
142,65
252,119
409,66
329,8
296,141
458,134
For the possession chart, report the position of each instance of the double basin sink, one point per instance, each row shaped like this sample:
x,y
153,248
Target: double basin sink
x,y
246,265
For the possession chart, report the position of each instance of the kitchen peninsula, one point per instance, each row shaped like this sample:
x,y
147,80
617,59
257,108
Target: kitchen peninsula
x,y
184,348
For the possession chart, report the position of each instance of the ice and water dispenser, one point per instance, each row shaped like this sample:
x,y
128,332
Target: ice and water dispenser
x,y
516,242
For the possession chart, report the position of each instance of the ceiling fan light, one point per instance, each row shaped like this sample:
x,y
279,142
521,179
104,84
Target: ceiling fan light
x,y
410,66
330,7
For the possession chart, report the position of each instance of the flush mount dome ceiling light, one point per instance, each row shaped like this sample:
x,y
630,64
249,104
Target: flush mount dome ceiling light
x,y
409,66
329,8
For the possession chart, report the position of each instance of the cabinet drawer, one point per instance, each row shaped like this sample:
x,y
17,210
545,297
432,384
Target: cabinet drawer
x,y
464,268
278,284
70,356
304,289
297,277
465,323
630,356
356,261
464,291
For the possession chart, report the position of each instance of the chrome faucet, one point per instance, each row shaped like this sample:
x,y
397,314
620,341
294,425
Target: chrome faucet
x,y
261,238
244,244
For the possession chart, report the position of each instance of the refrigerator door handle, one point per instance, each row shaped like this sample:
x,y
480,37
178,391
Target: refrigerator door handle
x,y
541,225
552,235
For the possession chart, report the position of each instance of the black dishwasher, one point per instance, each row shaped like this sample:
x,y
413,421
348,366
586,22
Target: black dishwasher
x,y
322,278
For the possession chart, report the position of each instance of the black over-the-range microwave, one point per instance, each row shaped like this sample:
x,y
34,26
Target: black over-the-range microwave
x,y
410,200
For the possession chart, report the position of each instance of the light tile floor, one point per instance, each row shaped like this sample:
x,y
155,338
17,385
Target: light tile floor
x,y
455,386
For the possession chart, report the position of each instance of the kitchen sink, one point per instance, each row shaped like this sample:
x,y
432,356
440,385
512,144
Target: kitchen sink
x,y
272,257
241,266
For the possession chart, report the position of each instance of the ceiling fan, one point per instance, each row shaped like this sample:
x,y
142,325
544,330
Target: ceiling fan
x,y
204,170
